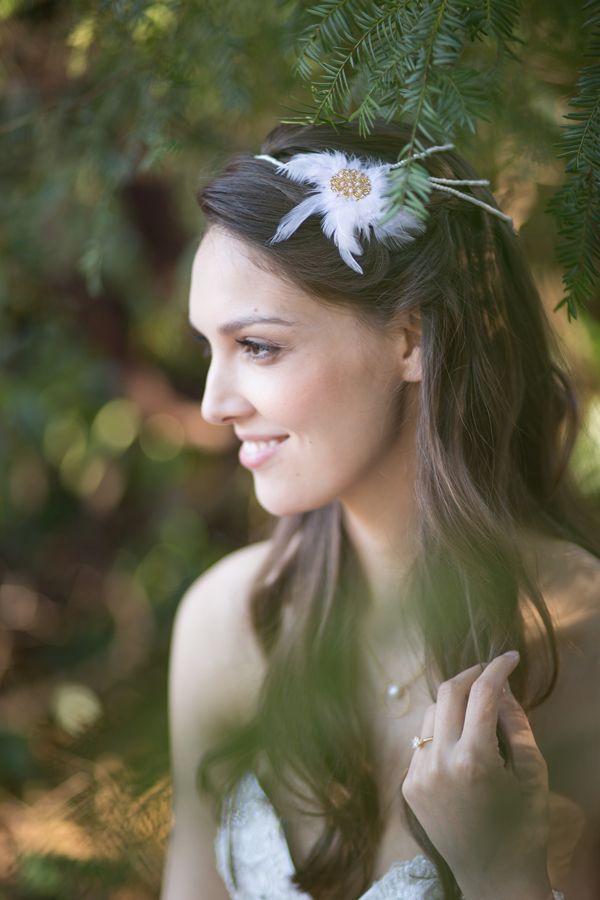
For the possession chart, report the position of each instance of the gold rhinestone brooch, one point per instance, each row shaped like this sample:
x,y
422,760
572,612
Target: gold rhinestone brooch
x,y
350,183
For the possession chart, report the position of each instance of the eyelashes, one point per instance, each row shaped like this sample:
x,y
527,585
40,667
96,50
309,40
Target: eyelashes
x,y
258,350
264,351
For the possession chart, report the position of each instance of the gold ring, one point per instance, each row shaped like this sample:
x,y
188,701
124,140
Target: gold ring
x,y
419,741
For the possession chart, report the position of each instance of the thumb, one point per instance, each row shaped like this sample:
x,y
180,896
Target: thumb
x,y
527,761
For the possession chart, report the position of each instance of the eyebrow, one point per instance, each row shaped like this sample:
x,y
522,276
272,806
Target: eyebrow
x,y
244,322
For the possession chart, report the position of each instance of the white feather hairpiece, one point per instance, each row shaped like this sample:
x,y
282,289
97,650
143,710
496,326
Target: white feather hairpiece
x,y
350,194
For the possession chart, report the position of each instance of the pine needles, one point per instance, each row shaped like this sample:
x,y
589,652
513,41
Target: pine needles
x,y
577,204
439,65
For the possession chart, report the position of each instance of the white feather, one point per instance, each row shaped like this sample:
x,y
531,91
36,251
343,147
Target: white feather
x,y
337,226
344,218
316,168
296,216
350,261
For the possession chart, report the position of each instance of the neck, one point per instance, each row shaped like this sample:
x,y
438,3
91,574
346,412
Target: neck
x,y
385,551
380,519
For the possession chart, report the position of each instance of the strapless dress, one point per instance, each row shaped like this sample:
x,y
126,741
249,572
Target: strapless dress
x,y
255,863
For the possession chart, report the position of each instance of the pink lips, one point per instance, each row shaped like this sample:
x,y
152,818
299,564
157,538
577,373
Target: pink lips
x,y
253,459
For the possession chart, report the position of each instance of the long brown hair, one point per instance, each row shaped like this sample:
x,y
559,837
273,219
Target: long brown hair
x,y
497,425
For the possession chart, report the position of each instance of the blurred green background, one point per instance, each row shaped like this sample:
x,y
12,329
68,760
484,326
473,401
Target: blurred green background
x,y
115,494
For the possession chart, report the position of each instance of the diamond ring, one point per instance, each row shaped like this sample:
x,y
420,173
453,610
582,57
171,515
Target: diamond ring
x,y
419,741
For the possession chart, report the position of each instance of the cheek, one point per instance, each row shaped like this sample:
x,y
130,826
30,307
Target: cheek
x,y
329,402
302,398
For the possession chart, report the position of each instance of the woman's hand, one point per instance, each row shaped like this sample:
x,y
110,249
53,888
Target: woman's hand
x,y
488,820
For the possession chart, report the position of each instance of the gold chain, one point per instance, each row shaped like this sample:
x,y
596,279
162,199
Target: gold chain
x,y
397,696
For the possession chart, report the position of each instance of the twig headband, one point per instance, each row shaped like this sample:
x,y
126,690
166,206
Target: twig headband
x,y
351,196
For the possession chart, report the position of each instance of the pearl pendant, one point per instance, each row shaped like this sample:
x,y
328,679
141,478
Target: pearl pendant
x,y
398,700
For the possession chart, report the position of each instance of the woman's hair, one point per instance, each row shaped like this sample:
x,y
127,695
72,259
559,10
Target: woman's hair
x,y
497,423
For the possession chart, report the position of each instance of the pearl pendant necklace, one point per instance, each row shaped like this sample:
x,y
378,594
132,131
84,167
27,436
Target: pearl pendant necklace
x,y
397,699
392,690
396,696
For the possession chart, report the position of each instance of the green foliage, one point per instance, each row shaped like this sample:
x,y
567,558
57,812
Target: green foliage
x,y
577,204
413,198
111,114
15,757
112,497
52,876
405,59
442,66
129,87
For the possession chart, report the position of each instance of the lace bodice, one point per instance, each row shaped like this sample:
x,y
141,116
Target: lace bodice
x,y
254,861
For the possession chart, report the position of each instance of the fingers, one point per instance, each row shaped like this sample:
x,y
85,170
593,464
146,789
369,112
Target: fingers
x,y
427,730
481,716
467,707
428,726
451,705
527,760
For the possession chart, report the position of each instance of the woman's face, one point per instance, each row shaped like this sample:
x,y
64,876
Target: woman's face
x,y
310,391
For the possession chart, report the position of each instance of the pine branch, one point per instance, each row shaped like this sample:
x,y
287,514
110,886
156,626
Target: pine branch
x,y
311,41
405,186
576,205
334,88
401,58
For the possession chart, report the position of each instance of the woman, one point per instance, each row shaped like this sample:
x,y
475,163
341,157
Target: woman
x,y
342,720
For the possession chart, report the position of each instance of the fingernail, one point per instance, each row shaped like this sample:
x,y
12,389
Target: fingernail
x,y
512,654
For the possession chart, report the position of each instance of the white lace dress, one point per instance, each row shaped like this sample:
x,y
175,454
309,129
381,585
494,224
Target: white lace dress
x,y
254,861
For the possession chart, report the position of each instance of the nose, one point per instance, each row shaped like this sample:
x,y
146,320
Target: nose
x,y
223,401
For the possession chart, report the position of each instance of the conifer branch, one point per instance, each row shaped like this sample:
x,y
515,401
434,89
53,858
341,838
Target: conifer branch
x,y
403,59
412,145
311,42
576,205
346,59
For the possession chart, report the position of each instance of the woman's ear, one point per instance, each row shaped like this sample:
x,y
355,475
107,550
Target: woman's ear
x,y
409,347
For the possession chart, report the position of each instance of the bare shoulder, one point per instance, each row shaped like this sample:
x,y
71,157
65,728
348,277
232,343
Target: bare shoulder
x,y
567,724
216,664
215,672
569,578
219,596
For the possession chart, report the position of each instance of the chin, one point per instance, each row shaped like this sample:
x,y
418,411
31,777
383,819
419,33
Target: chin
x,y
281,504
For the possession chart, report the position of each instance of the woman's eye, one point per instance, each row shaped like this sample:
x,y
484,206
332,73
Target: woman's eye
x,y
254,349
258,350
